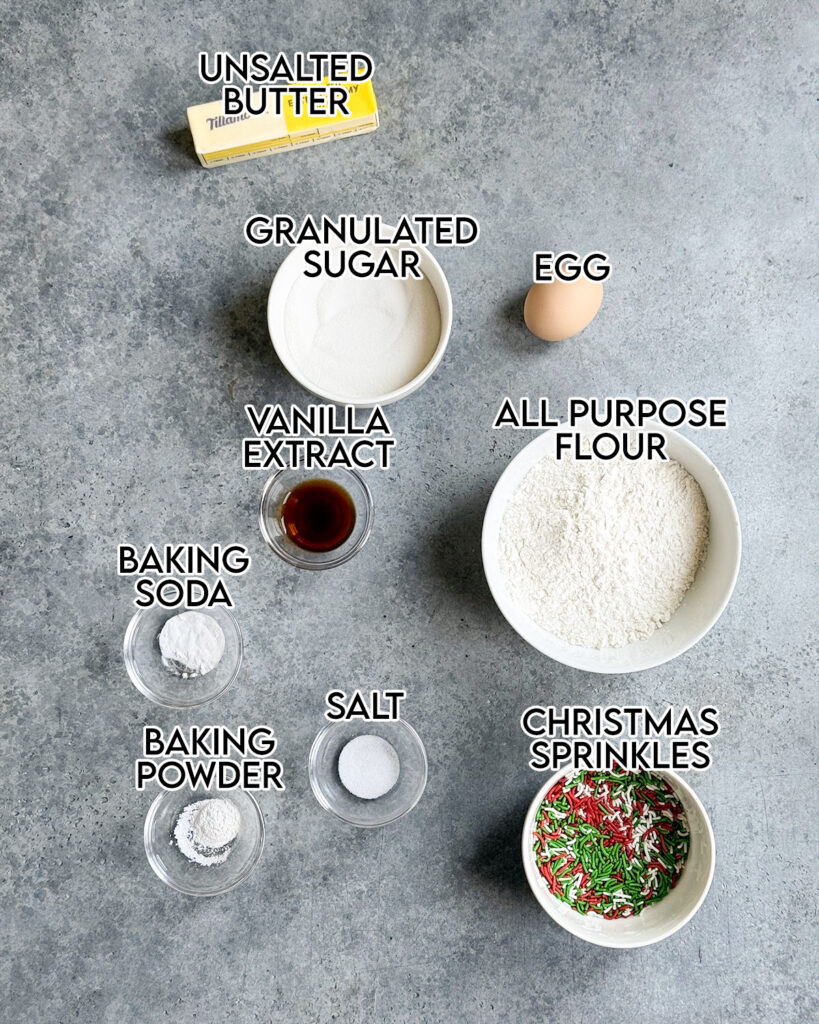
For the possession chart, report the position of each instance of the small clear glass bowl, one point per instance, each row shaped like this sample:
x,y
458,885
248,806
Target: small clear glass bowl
x,y
334,797
143,659
185,875
274,495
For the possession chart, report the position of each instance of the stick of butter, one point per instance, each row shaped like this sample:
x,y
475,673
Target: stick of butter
x,y
218,139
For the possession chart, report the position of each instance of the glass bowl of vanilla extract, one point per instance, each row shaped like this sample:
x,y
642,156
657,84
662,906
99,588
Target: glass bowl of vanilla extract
x,y
316,519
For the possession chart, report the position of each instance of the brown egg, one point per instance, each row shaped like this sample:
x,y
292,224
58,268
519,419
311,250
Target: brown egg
x,y
561,309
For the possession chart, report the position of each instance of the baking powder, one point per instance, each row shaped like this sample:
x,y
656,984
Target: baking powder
x,y
206,829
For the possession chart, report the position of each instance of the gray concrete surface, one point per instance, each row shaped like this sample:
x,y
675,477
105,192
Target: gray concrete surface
x,y
680,138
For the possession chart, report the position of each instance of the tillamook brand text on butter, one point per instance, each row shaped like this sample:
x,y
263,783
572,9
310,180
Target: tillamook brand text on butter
x,y
221,138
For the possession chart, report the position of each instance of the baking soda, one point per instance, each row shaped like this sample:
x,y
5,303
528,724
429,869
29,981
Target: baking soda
x,y
191,644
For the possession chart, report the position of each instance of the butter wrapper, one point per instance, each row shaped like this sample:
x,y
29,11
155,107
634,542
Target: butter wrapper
x,y
223,139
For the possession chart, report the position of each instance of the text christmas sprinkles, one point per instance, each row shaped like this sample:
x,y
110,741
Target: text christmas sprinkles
x,y
611,843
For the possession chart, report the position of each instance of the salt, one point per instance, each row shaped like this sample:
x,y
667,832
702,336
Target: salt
x,y
368,767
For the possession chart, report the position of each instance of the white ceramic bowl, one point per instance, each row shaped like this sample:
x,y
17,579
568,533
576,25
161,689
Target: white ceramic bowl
x,y
703,603
292,267
658,920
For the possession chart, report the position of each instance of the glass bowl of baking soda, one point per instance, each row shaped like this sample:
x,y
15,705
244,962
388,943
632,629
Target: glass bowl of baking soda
x,y
204,842
182,658
368,773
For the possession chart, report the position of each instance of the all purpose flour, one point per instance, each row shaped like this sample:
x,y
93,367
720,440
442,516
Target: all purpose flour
x,y
602,553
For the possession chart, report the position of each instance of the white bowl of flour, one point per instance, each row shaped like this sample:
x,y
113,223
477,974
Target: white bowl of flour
x,y
611,566
359,341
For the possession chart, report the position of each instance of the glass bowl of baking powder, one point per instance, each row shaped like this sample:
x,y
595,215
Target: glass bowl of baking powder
x,y
202,876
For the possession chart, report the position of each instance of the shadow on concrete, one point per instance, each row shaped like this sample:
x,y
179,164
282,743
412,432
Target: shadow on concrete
x,y
181,141
497,860
514,333
243,325
454,555
511,312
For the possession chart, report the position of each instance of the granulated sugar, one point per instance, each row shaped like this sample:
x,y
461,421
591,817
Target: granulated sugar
x,y
361,337
602,553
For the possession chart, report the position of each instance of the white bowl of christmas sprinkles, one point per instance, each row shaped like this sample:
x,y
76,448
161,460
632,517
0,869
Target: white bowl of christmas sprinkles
x,y
618,859
611,566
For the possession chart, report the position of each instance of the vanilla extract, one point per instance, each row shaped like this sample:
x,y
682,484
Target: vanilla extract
x,y
318,515
319,420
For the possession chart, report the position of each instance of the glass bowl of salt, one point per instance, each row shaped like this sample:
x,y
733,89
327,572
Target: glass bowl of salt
x,y
204,842
368,773
181,658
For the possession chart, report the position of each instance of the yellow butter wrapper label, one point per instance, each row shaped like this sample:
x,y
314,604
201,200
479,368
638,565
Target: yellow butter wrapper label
x,y
361,104
222,139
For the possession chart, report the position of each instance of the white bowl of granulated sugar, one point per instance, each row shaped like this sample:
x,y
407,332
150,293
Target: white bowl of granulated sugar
x,y
611,566
359,341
